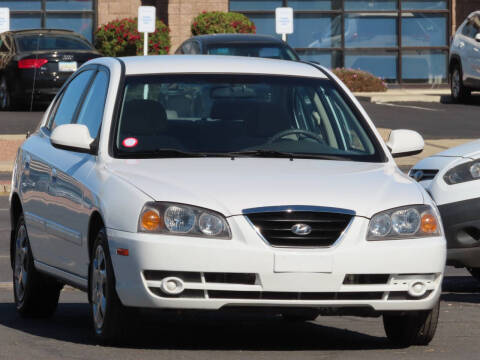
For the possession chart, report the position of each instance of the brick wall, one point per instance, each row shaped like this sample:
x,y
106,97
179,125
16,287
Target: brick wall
x,y
461,10
116,9
181,13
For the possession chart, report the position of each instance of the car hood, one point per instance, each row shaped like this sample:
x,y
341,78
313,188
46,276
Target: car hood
x,y
230,186
465,150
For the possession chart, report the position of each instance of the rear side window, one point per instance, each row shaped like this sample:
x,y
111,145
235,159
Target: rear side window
x,y
71,98
91,113
51,42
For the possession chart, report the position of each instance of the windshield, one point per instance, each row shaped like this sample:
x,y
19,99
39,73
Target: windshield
x,y
253,50
240,115
51,42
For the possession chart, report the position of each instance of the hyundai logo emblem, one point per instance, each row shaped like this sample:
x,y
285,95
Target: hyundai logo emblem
x,y
301,229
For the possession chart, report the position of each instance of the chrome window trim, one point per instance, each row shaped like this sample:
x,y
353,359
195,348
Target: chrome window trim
x,y
290,208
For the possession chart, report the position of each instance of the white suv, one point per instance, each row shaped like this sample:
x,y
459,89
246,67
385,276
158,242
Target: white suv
x,y
465,58
210,182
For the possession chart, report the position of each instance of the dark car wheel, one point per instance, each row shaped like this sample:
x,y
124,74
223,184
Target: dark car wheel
x,y
412,327
458,90
4,94
111,320
36,295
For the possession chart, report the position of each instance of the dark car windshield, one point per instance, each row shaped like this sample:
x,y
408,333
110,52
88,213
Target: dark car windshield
x,y
271,51
51,42
240,115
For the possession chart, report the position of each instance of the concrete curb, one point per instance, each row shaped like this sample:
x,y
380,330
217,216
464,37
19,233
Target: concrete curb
x,y
404,95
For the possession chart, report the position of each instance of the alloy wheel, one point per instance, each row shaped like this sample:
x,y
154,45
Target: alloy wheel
x,y
21,263
99,286
456,84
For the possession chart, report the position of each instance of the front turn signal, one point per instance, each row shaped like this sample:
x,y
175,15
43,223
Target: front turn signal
x,y
151,220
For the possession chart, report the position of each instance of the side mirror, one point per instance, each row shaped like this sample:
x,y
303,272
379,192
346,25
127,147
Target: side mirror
x,y
74,137
477,37
405,143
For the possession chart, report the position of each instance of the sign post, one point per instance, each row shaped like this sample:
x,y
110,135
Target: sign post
x,y
4,19
146,24
284,21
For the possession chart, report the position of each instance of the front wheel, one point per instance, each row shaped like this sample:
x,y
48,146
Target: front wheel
x,y
458,90
412,328
110,318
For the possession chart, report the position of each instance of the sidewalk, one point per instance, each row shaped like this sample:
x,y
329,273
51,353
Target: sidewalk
x,y
10,143
404,95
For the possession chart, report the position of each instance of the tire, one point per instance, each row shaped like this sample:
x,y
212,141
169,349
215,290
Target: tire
x,y
475,272
300,315
36,295
459,92
412,328
111,320
5,99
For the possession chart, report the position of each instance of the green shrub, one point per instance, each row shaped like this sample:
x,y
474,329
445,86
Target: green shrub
x,y
121,38
218,22
360,81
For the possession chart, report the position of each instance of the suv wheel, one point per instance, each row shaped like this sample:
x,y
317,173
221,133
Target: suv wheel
x,y
36,295
110,318
4,95
458,91
413,327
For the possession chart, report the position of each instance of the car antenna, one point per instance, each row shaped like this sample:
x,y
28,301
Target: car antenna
x,y
35,73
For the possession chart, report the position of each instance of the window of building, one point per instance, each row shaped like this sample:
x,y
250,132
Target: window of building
x,y
76,15
401,41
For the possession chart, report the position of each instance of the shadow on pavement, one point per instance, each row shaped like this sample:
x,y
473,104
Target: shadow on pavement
x,y
221,330
202,331
474,99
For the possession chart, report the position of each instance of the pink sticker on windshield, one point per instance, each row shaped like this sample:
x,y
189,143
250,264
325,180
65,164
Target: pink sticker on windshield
x,y
130,142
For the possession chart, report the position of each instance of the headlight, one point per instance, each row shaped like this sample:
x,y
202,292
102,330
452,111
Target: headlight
x,y
463,173
404,223
180,219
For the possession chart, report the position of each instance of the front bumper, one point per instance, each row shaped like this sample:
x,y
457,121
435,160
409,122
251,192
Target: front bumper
x,y
245,271
461,221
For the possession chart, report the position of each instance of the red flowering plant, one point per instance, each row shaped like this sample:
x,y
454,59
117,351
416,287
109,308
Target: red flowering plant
x,y
121,38
219,22
360,81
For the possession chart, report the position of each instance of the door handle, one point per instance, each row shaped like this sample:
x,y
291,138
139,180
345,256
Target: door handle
x,y
461,45
53,176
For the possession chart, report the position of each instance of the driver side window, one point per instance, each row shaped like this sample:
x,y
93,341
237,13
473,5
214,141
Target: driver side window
x,y
70,100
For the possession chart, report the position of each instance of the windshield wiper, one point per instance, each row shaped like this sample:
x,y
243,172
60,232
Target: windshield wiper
x,y
173,153
282,154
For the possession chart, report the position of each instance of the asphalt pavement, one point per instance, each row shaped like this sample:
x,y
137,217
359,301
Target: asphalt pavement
x,y
226,335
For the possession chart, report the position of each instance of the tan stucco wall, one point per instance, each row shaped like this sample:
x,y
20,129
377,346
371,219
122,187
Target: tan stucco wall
x,y
109,10
181,13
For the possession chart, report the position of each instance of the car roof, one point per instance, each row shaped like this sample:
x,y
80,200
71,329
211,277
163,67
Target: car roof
x,y
44,31
216,64
235,38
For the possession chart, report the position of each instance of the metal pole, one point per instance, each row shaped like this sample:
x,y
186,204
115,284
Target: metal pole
x,y
145,44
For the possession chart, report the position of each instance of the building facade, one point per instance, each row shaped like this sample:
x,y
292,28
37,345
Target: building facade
x,y
401,41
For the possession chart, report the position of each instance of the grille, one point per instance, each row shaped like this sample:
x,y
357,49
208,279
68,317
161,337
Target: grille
x,y
276,227
268,295
422,175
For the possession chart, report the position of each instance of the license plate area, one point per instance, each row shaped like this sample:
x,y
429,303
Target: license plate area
x,y
297,262
67,66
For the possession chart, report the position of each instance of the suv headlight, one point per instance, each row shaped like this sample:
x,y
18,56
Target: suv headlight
x,y
404,223
181,219
463,173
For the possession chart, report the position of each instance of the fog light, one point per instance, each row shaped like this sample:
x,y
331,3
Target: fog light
x,y
172,286
417,289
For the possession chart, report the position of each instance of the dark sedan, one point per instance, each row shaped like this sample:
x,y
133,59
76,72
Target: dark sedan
x,y
238,45
34,64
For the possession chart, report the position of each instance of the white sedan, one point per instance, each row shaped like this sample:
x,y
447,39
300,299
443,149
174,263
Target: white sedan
x,y
204,182
452,179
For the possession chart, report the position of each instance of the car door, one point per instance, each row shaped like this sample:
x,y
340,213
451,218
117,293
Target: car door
x,y
72,196
474,52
